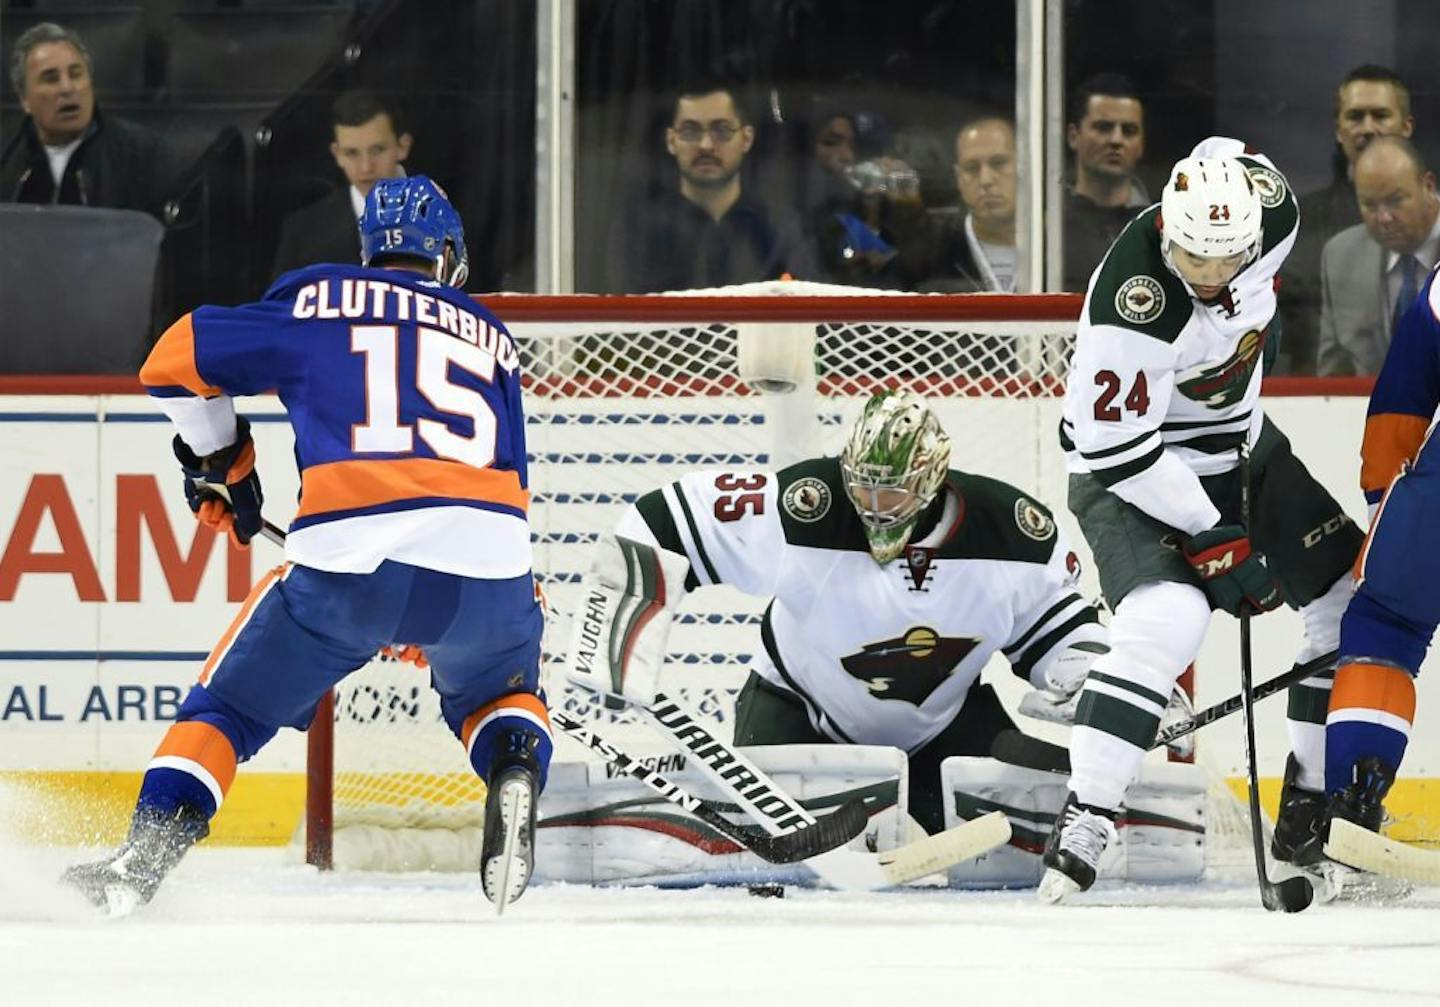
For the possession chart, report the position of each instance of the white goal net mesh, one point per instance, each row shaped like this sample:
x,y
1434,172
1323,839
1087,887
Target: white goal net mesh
x,y
626,394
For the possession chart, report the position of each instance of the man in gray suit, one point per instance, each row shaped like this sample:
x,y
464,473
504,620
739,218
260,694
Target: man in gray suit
x,y
1370,273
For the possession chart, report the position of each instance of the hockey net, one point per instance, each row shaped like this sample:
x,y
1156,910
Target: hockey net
x,y
625,394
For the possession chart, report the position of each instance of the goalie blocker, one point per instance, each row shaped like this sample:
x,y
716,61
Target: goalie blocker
x,y
628,600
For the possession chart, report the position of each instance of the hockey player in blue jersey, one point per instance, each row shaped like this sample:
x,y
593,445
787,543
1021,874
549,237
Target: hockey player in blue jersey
x,y
404,396
1392,616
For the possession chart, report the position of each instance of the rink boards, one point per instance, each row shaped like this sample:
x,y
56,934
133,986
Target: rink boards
x,y
110,598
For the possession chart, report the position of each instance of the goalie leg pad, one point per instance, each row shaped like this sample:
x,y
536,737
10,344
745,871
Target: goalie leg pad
x,y
627,603
1161,824
596,828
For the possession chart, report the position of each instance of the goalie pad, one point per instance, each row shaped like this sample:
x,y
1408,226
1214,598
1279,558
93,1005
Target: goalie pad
x,y
622,621
602,829
1161,826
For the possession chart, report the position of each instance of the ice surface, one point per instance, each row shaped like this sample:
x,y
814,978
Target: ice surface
x,y
246,927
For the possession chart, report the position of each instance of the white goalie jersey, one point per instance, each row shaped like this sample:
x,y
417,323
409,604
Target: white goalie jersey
x,y
1164,388
879,655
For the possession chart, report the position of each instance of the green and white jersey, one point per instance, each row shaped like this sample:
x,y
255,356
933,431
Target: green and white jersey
x,y
1164,388
880,655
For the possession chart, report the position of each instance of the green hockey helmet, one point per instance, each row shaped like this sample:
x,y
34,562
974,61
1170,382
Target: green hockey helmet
x,y
894,462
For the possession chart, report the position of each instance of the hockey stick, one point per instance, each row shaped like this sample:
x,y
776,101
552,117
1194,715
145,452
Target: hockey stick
x,y
829,832
898,866
1358,847
1021,749
1292,894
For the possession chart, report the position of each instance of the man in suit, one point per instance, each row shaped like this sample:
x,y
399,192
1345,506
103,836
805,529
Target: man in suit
x,y
1370,273
370,143
1372,101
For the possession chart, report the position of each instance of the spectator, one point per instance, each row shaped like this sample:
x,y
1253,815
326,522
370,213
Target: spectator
x,y
1370,273
369,143
65,150
1371,101
707,231
977,251
1106,132
863,217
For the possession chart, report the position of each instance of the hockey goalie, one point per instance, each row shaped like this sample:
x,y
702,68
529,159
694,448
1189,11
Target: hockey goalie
x,y
893,580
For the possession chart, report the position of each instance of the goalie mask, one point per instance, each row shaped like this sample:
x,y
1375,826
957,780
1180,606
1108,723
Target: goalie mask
x,y
894,463
411,218
1210,217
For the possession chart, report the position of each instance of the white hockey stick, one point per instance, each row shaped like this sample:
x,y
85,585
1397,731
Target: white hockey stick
x,y
778,813
1358,847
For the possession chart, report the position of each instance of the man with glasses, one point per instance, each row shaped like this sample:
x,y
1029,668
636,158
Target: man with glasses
x,y
1372,101
707,231
1162,421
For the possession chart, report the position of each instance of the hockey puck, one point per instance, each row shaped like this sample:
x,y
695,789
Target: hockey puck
x,y
767,891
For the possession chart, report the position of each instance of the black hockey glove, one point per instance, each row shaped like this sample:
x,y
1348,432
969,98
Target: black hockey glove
x,y
1231,572
233,468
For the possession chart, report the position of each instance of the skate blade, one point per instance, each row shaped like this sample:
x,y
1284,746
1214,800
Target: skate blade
x,y
120,901
512,876
1056,887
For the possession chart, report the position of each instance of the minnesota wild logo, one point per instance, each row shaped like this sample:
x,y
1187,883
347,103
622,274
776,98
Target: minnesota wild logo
x,y
1222,385
910,667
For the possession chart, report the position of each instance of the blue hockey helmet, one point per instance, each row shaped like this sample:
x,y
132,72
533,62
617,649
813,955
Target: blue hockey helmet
x,y
412,217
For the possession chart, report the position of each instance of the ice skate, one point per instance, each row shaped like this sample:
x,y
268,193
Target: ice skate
x,y
507,852
129,877
1361,803
1299,827
1073,851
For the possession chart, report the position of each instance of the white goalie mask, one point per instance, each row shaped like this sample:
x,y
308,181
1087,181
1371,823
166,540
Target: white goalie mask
x,y
1211,209
894,462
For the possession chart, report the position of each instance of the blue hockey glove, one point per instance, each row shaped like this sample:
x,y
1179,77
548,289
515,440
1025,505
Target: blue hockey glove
x,y
1231,572
234,469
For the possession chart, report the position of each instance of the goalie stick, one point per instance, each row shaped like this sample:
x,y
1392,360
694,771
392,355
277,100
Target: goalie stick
x,y
1020,749
897,867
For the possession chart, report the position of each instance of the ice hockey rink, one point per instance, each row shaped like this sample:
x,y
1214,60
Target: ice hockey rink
x,y
246,927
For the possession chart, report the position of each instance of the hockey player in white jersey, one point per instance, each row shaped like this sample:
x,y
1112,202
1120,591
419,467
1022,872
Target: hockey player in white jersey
x,y
1162,397
893,578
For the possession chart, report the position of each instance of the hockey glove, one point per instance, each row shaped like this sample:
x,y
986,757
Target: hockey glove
x,y
234,469
1230,571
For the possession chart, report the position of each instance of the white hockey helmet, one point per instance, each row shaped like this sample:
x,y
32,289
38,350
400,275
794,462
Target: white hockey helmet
x,y
893,463
1210,208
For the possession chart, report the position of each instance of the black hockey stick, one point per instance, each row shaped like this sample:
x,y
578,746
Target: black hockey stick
x,y
1020,749
1293,894
828,833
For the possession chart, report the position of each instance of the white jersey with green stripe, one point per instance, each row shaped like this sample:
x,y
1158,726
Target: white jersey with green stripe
x,y
1163,387
879,655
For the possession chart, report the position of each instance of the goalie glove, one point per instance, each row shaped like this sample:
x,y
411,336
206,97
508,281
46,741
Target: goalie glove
x,y
236,511
627,603
1056,698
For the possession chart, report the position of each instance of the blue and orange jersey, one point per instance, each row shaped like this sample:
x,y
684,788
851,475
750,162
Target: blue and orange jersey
x,y
404,395
1406,394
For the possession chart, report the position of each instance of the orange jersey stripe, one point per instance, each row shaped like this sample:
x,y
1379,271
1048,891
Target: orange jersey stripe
x,y
526,701
1391,439
338,486
201,743
240,620
1361,686
172,361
